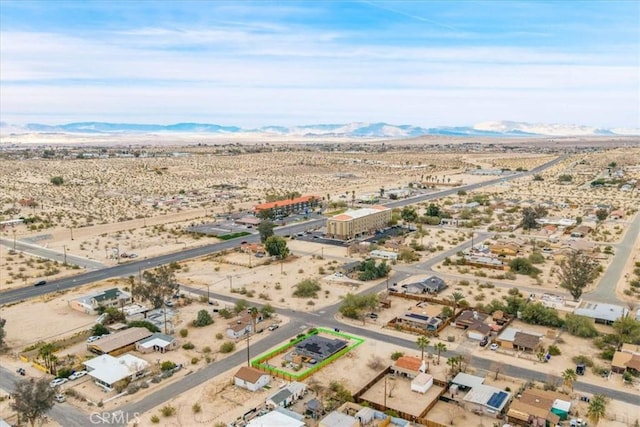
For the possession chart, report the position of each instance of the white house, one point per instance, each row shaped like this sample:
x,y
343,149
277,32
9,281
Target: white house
x,y
251,378
279,417
490,400
107,370
602,313
108,298
286,395
422,383
157,342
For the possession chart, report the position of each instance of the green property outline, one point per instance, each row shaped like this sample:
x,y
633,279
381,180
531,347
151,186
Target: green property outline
x,y
257,362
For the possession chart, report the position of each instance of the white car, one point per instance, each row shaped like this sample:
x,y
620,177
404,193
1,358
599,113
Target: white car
x,y
494,347
76,375
93,338
57,382
59,398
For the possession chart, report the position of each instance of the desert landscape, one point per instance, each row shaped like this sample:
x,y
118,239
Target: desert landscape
x,y
142,200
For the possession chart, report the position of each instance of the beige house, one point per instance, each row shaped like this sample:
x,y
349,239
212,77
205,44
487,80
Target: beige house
x,y
358,222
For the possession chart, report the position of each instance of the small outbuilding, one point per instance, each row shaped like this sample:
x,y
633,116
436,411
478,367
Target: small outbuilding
x,y
422,383
251,378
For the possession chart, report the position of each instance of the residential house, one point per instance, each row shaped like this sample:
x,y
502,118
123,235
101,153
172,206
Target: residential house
x,y
489,400
539,408
602,313
279,417
157,342
408,366
243,325
251,378
431,285
107,370
469,318
504,248
339,419
523,341
91,304
627,358
119,342
286,395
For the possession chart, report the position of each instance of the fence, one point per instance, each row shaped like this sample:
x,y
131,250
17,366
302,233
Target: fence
x,y
357,397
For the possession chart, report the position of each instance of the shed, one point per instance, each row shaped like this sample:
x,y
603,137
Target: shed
x,y
422,383
561,408
251,378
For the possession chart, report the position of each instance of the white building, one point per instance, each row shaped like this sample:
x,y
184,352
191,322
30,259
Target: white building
x,y
602,313
422,383
251,378
107,370
279,417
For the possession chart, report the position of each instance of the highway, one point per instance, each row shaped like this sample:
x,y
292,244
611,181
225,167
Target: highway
x,y
135,267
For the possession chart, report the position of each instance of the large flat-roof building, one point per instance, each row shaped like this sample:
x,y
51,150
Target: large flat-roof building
x,y
601,312
119,342
358,222
107,370
287,206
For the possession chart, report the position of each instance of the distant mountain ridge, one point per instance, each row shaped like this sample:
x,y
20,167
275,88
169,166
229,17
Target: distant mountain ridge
x,y
351,130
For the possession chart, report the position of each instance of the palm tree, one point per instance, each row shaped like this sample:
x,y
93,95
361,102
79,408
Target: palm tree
x,y
597,408
46,352
569,376
457,297
455,363
440,347
422,344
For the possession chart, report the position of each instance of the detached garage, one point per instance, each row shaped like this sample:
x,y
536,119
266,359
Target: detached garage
x,y
422,383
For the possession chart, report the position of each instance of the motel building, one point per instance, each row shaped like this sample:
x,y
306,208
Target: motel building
x,y
358,222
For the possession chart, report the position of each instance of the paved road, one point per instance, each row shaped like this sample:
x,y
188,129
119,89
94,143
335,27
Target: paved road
x,y
42,252
606,289
63,413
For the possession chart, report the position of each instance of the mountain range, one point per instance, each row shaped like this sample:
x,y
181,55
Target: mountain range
x,y
351,130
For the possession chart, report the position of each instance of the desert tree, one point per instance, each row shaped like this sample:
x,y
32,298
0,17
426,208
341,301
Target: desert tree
x,y
47,353
159,285
3,334
276,246
576,272
265,228
530,215
32,399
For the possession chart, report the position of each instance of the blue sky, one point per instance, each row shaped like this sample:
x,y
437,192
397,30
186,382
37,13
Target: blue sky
x,y
426,63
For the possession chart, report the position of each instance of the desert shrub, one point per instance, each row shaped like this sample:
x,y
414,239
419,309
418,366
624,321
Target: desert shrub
x,y
143,324
196,408
206,349
580,326
219,336
396,355
155,419
194,360
188,346
227,347
133,388
307,288
203,319
167,365
582,360
168,410
554,350
184,333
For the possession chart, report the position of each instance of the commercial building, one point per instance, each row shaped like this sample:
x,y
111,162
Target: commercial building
x,y
359,222
285,207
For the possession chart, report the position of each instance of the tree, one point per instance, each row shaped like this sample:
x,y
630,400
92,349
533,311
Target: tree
x,y
32,399
266,214
433,210
276,246
3,334
523,266
50,360
569,376
159,286
627,330
353,306
422,342
576,272
529,216
597,408
580,326
602,214
57,180
203,319
253,312
409,214
266,230
99,329
457,297
440,348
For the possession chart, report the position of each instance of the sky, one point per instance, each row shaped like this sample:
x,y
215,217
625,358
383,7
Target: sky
x,y
252,64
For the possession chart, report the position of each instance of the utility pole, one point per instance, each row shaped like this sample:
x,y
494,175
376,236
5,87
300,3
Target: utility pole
x,y
230,282
248,362
14,239
208,297
64,247
71,231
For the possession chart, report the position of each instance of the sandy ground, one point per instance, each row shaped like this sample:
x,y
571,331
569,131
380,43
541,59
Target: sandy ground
x,y
272,283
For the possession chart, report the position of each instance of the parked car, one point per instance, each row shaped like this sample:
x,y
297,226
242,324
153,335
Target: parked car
x,y
59,398
57,382
273,327
40,283
169,303
21,371
493,347
77,374
373,316
484,342
93,338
